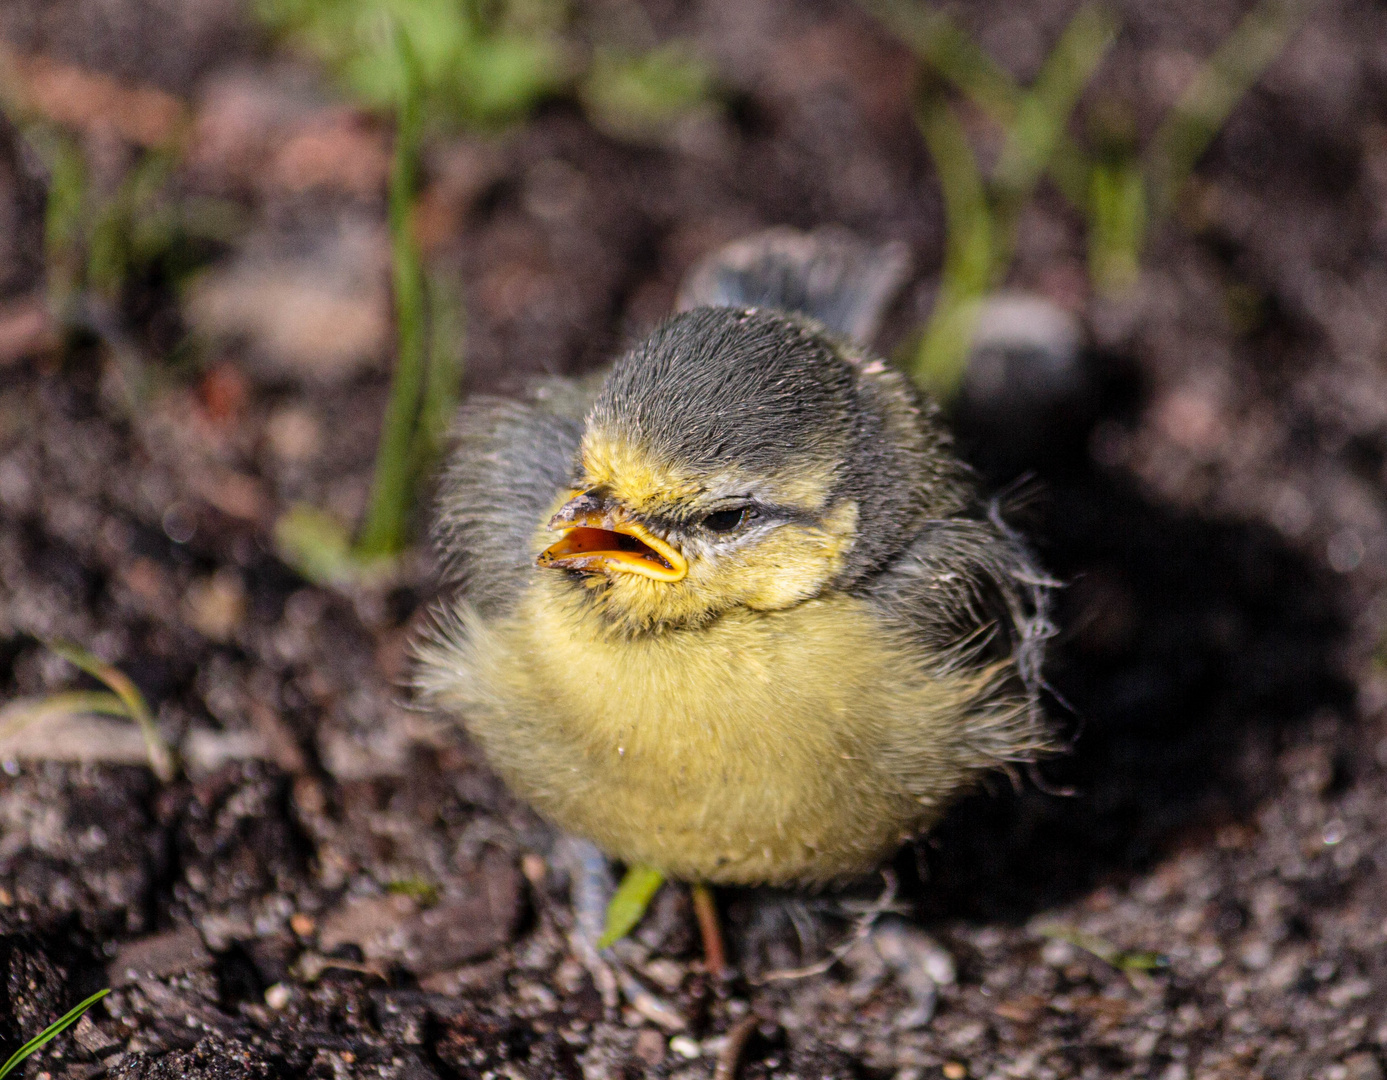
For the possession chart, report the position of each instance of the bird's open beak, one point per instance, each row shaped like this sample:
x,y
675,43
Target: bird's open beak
x,y
598,536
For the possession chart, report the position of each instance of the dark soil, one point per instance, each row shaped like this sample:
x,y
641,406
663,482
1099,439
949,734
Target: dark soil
x,y
338,887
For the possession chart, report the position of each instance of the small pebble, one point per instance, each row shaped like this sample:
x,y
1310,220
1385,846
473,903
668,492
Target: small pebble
x,y
277,996
650,1046
534,868
686,1047
954,1070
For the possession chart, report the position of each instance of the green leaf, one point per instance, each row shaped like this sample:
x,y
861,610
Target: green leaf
x,y
507,75
633,896
638,97
1121,959
416,888
52,1031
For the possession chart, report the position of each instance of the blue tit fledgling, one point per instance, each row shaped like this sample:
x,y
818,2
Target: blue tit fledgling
x,y
732,610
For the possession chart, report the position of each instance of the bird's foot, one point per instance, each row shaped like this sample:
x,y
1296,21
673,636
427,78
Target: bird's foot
x,y
893,948
591,886
605,913
710,929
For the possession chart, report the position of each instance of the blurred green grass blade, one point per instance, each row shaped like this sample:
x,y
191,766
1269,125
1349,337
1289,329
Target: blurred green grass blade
x,y
442,386
637,97
110,243
1045,109
315,544
936,38
392,488
51,1032
1220,84
946,47
1106,951
64,214
160,756
1117,221
422,890
969,249
633,896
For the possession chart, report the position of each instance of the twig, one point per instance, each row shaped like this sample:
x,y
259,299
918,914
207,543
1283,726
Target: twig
x,y
731,1056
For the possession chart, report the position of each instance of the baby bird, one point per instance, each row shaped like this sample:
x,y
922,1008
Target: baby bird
x,y
733,611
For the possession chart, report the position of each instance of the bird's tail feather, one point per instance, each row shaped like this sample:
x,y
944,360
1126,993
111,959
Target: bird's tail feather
x,y
829,274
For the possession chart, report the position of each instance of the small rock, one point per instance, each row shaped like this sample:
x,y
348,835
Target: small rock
x,y
70,737
1363,1066
278,996
321,316
173,953
650,1047
1255,955
216,606
1025,349
206,751
91,1038
919,965
293,435
368,922
477,916
1058,953
480,920
26,328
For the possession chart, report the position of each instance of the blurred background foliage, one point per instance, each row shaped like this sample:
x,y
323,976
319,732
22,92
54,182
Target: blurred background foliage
x,y
434,67
475,63
466,64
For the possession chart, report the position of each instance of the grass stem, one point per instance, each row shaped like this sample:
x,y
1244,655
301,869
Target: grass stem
x,y
161,758
384,531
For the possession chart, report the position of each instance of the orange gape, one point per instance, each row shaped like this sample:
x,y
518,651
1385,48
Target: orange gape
x,y
602,539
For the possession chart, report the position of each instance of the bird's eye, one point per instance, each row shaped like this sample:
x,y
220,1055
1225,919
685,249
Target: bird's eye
x,y
721,521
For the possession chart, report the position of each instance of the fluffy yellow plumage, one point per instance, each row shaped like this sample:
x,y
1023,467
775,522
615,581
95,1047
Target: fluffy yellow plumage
x,y
733,616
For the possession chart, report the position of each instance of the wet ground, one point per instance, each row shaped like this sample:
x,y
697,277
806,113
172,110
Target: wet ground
x,y
338,888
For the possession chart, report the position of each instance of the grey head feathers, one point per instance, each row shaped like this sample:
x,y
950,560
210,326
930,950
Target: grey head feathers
x,y
720,389
830,275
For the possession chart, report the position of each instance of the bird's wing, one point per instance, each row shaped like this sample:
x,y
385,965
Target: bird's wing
x,y
834,277
970,593
512,459
969,590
